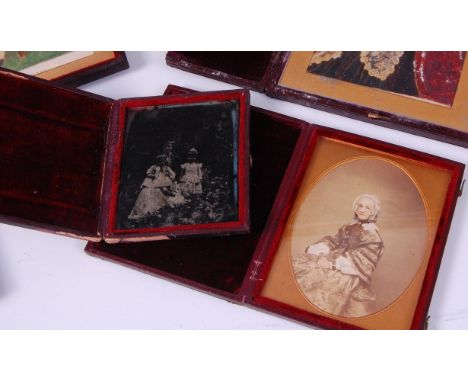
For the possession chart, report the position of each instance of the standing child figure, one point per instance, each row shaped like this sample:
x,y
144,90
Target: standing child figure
x,y
191,175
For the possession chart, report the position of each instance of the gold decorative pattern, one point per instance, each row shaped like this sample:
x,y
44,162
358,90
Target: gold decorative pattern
x,y
322,56
380,64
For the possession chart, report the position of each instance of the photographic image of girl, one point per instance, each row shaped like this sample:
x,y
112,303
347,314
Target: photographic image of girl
x,y
159,189
191,175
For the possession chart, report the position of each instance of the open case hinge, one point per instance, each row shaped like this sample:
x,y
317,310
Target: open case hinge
x,y
253,277
460,191
253,272
426,323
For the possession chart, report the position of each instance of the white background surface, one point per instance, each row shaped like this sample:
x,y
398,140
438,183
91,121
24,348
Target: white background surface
x,y
48,282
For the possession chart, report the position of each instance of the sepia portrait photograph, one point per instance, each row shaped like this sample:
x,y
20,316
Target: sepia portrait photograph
x,y
179,165
358,237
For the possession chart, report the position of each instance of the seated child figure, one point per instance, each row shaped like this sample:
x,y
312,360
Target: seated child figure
x,y
154,190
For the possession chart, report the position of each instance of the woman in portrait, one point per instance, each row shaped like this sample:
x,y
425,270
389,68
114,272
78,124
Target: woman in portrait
x,y
156,191
335,272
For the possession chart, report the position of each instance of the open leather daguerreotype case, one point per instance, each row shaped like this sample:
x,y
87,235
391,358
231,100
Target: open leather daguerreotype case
x,y
66,68
423,93
152,168
346,232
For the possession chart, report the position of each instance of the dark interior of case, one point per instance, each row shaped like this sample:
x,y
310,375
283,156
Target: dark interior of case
x,y
247,65
221,263
51,155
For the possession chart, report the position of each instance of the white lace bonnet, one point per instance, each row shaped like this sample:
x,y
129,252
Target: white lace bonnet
x,y
375,202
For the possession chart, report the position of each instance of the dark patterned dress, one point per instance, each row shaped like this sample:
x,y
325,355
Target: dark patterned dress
x,y
331,290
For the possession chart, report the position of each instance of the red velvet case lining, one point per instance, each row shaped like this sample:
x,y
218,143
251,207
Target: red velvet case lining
x,y
52,153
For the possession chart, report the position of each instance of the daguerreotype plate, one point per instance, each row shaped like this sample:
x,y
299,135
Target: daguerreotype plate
x,y
183,166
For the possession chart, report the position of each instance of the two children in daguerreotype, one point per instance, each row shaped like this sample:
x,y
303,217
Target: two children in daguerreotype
x,y
160,188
